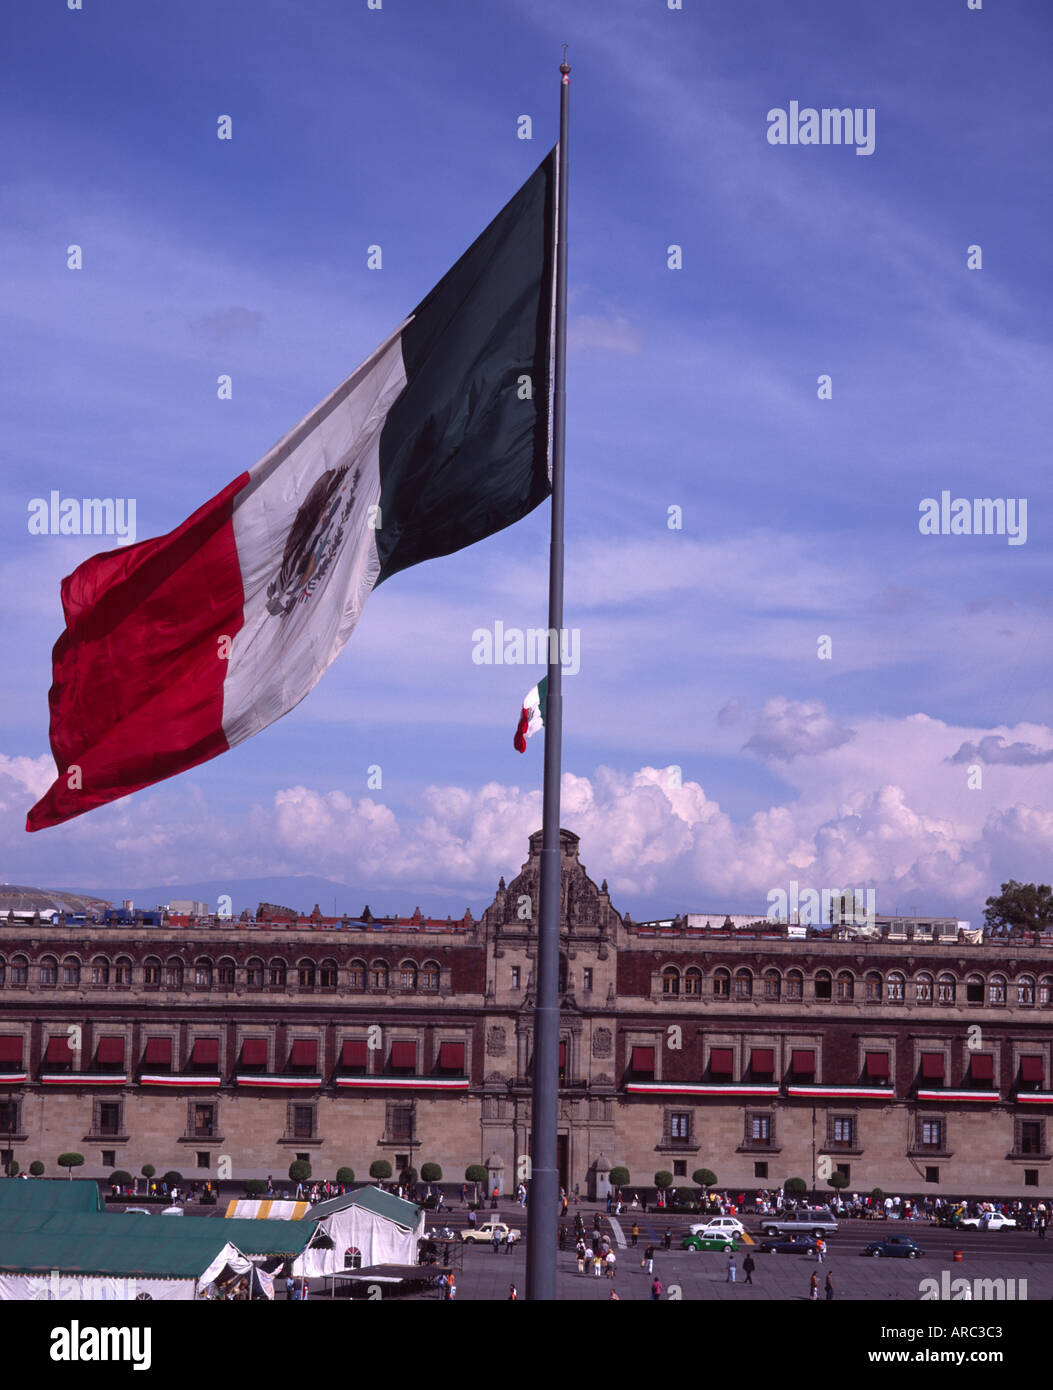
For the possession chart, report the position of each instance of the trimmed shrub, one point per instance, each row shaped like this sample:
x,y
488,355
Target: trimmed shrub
x,y
663,1180
620,1177
705,1177
380,1169
172,1178
70,1161
345,1176
121,1179
795,1187
430,1172
299,1170
409,1177
36,1168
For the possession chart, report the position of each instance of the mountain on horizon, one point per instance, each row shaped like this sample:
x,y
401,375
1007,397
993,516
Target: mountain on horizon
x,y
302,892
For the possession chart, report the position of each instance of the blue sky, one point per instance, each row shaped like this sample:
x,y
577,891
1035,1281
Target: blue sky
x,y
693,388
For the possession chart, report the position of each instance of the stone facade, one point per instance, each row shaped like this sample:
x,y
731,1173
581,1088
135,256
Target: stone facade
x,y
230,1048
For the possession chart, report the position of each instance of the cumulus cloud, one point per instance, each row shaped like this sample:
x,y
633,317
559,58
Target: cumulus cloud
x,y
588,333
788,729
994,749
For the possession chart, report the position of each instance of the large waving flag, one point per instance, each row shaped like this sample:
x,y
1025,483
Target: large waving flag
x,y
178,648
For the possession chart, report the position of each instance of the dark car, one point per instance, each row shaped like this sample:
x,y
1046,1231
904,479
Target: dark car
x,y
789,1245
895,1248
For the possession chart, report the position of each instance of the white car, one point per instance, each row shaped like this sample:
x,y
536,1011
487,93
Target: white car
x,y
718,1226
990,1221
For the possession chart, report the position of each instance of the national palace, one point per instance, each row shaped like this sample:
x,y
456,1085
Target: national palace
x,y
919,1057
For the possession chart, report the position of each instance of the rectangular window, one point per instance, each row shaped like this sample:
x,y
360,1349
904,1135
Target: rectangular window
x,y
760,1129
109,1118
845,1169
8,1116
515,977
587,977
679,1168
402,1122
204,1119
844,1127
204,1160
1030,1136
401,1161
1030,1177
109,1158
932,1175
932,1134
760,1170
680,1124
303,1122
823,986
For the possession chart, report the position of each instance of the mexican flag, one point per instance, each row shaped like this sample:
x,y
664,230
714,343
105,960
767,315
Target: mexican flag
x,y
532,715
178,648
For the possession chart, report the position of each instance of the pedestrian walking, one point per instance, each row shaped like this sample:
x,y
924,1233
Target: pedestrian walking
x,y
597,1265
513,1293
731,1267
820,1249
648,1259
612,1264
667,1239
613,1295
510,1240
829,1288
579,1251
813,1287
635,1234
496,1240
656,1290
748,1266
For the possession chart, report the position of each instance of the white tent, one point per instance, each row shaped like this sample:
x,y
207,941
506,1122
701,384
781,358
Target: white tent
x,y
382,1229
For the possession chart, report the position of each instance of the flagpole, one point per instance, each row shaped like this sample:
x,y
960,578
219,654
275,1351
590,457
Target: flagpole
x,y
542,1213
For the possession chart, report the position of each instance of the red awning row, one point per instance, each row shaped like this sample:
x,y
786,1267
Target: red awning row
x,y
10,1050
1032,1069
762,1061
877,1066
721,1061
802,1062
643,1061
932,1066
404,1055
304,1053
110,1052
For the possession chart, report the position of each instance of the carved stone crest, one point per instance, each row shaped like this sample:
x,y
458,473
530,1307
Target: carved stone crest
x,y
601,1042
495,1041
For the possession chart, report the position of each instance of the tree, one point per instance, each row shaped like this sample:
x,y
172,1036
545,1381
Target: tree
x,y
837,1181
1020,907
705,1177
620,1177
346,1176
172,1178
476,1172
430,1172
663,1180
121,1179
686,1196
255,1187
69,1162
299,1170
877,1195
408,1177
148,1170
36,1168
795,1187
380,1169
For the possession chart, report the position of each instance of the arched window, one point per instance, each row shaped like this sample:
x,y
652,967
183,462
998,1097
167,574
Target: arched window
x,y
923,988
996,991
896,987
824,984
974,989
1025,990
429,976
721,984
772,984
874,987
173,973
327,974
71,971
670,980
846,985
254,973
100,971
693,982
305,974
743,984
49,972
122,971
228,973
1045,991
203,973
794,985
378,975
357,975
408,975
20,970
3,971
152,972
276,974
945,988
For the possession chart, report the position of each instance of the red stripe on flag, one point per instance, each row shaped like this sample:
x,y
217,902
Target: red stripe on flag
x,y
137,692
520,738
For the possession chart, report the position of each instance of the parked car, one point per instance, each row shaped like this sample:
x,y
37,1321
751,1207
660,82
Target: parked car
x,y
484,1233
718,1226
703,1242
789,1245
894,1248
442,1233
989,1221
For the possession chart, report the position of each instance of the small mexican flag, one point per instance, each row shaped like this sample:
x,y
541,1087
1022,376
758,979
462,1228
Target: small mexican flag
x,y
532,716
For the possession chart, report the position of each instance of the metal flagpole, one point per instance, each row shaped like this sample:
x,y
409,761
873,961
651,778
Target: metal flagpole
x,y
542,1213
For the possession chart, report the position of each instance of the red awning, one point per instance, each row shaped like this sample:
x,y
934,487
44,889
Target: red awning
x,y
762,1061
158,1052
1031,1068
451,1056
205,1053
981,1066
58,1051
110,1052
11,1048
722,1060
254,1052
643,1060
404,1054
877,1065
932,1066
304,1053
802,1063
353,1053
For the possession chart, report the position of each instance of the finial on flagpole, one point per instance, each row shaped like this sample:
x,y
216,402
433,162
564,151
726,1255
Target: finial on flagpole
x,y
564,67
